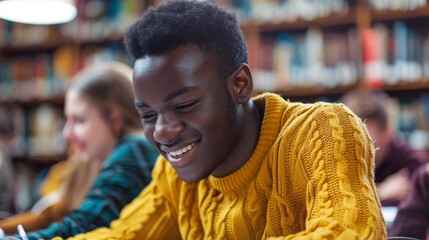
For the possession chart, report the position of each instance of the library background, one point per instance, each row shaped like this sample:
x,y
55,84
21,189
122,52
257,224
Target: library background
x,y
305,50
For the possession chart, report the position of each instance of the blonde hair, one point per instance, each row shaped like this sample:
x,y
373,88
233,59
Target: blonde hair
x,y
79,181
109,86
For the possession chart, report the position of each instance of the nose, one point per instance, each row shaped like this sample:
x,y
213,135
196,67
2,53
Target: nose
x,y
67,130
167,131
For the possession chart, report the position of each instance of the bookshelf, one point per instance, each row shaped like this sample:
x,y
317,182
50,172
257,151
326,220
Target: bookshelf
x,y
325,21
288,56
340,46
302,51
395,14
37,63
353,26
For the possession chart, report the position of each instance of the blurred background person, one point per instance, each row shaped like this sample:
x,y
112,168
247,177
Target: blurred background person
x,y
412,219
6,168
114,164
395,159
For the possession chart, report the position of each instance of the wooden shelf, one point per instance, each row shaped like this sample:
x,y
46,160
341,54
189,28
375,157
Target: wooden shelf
x,y
315,91
40,160
333,20
47,47
407,86
388,15
6,50
34,102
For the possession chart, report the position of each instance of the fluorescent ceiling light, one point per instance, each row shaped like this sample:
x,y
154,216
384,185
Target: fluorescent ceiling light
x,y
41,12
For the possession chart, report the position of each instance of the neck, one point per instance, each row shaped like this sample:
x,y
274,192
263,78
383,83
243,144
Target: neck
x,y
257,119
249,124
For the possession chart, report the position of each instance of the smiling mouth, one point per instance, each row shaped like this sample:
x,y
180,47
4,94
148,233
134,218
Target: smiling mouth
x,y
181,151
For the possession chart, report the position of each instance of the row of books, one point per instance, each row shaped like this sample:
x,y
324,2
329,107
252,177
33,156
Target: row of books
x,y
103,19
37,131
288,10
45,75
96,20
396,54
381,55
405,5
313,58
291,10
21,35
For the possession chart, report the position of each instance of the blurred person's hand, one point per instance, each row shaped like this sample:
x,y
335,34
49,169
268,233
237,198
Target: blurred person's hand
x,y
1,233
3,237
397,186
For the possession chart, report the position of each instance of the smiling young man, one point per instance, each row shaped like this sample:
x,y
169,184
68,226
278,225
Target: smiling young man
x,y
233,166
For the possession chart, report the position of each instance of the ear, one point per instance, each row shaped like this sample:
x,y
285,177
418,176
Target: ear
x,y
240,84
116,121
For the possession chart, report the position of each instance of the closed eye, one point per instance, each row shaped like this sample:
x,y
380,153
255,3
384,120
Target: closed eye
x,y
148,116
186,106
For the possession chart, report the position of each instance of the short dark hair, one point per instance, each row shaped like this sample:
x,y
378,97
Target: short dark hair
x,y
175,23
368,105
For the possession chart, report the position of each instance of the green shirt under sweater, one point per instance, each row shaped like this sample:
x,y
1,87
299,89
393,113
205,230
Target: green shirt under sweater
x,y
123,175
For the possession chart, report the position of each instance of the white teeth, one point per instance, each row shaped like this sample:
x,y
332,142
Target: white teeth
x,y
182,151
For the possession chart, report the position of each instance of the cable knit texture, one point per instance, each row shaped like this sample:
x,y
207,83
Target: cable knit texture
x,y
309,177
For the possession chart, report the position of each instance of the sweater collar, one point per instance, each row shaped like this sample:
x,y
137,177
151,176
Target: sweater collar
x,y
272,106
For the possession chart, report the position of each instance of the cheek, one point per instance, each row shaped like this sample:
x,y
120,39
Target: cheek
x,y
98,140
213,114
148,133
215,123
92,132
100,131
83,131
378,139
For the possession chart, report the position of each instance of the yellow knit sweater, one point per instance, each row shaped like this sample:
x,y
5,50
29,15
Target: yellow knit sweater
x,y
310,177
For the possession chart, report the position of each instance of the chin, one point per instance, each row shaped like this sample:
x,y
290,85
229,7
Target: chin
x,y
190,178
85,158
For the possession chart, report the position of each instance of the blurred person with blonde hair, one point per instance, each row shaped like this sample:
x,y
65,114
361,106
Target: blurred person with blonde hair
x,y
114,160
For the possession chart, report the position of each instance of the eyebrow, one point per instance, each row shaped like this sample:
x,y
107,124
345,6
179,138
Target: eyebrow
x,y
140,104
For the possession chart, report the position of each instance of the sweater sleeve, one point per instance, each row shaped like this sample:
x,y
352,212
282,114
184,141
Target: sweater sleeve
x,y
149,216
123,176
338,167
412,219
31,221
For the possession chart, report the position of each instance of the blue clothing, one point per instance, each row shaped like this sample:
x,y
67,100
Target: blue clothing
x,y
122,177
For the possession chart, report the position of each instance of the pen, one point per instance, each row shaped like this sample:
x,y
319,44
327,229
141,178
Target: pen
x,y
22,233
